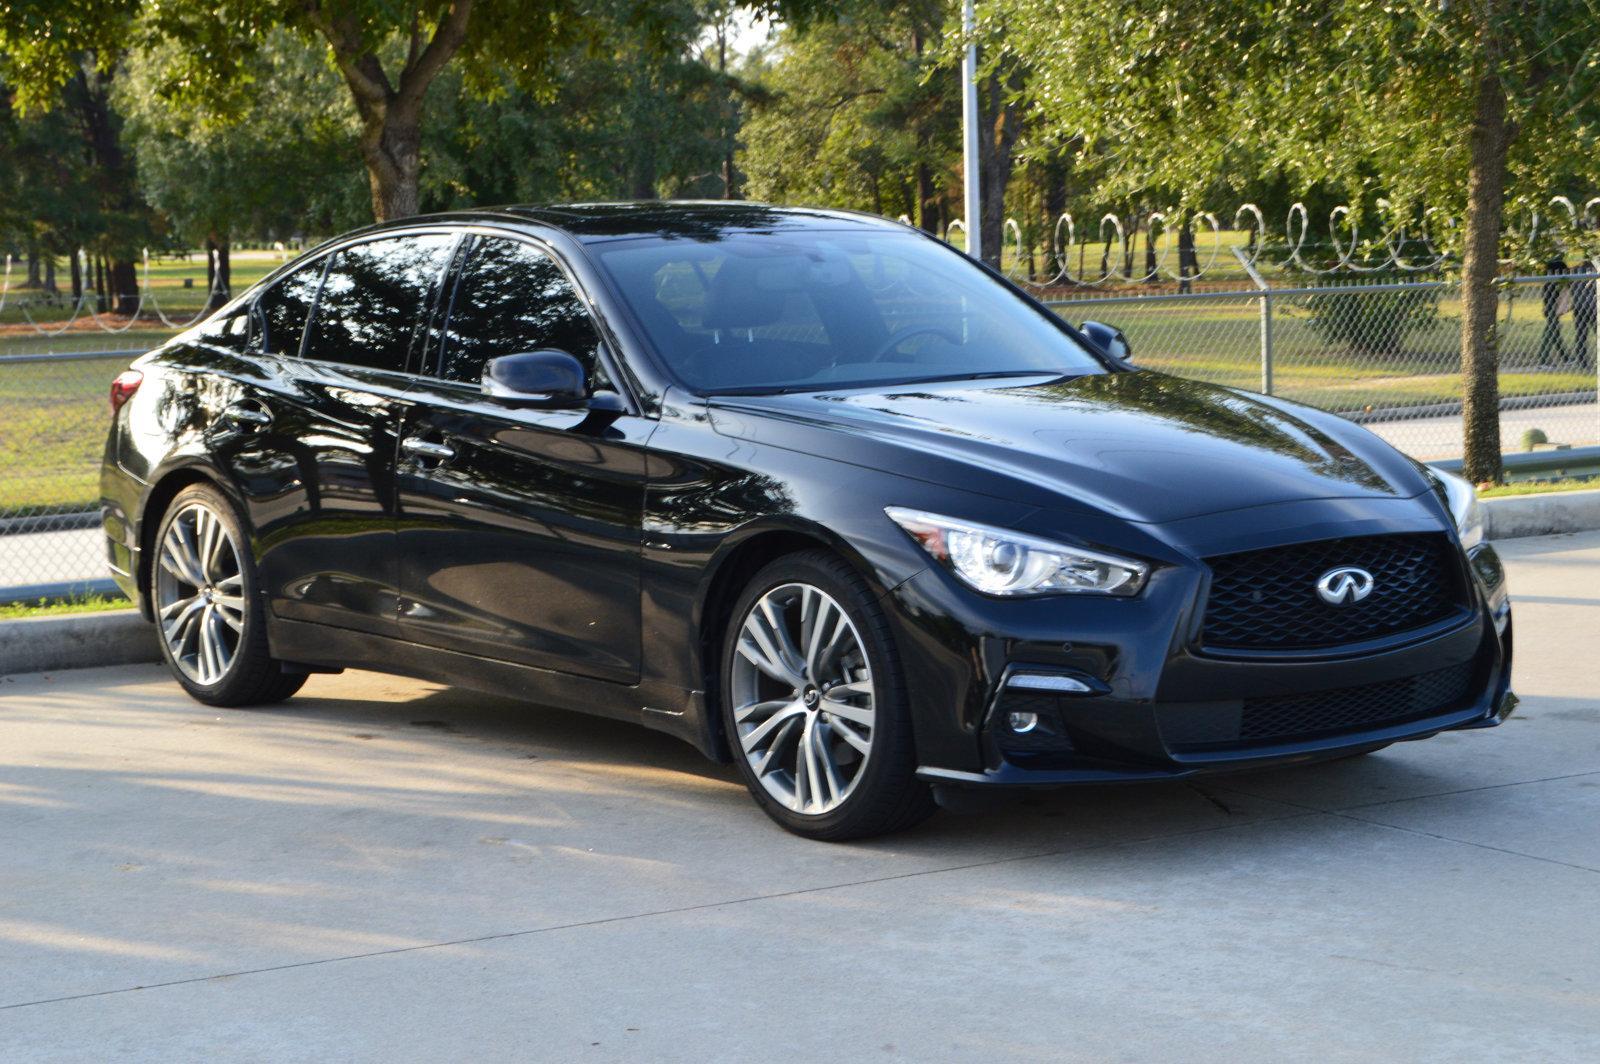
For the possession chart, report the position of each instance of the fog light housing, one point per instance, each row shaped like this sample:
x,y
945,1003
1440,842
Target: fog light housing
x,y
1022,722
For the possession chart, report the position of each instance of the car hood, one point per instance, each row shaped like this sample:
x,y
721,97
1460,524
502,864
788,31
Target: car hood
x,y
1143,446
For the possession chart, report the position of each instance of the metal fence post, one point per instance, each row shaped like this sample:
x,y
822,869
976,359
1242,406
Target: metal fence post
x,y
1594,265
1266,318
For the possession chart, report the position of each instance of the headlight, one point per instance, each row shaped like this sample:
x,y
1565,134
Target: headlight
x,y
1462,499
999,562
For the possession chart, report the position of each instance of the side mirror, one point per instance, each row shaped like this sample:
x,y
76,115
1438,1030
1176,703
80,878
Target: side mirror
x,y
1108,338
547,378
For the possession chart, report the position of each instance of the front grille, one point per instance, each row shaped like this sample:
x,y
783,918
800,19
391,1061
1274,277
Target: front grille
x,y
1267,599
1295,717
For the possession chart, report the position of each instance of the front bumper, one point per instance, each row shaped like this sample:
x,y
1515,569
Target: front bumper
x,y
1156,707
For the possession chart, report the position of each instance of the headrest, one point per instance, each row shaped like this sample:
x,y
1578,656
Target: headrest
x,y
737,302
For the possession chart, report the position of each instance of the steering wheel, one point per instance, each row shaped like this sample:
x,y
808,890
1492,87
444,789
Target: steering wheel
x,y
907,333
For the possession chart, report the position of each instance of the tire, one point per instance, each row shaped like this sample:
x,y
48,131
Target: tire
x,y
210,624
778,701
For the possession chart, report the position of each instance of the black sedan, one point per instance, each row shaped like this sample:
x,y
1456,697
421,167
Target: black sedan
x,y
809,489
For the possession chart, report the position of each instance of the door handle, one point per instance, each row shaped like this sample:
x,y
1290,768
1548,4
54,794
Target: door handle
x,y
246,415
421,448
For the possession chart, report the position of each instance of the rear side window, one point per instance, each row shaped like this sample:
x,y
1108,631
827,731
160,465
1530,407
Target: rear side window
x,y
372,299
281,310
511,297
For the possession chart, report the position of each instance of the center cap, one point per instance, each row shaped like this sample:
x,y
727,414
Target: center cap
x,y
812,697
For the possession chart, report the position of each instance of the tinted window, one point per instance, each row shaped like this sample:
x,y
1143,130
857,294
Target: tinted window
x,y
372,299
811,310
231,333
511,298
281,310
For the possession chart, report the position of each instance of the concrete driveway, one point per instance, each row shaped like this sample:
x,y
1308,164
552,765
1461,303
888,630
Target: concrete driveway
x,y
382,870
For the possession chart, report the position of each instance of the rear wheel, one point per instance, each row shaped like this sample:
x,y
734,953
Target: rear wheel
x,y
208,615
814,706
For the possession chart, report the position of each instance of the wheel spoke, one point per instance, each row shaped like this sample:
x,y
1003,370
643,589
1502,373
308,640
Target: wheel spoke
x,y
780,741
756,737
765,651
221,654
230,610
834,703
850,735
829,773
802,770
176,631
743,714
187,555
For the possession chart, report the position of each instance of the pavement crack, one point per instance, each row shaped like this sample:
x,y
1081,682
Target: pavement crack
x,y
1464,842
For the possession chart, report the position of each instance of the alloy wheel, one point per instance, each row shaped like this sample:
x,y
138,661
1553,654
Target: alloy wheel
x,y
200,594
803,698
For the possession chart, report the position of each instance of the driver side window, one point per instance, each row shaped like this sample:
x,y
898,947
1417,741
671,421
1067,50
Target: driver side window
x,y
511,297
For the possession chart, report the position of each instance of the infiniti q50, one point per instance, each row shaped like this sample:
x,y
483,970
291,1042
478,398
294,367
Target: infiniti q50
x,y
807,489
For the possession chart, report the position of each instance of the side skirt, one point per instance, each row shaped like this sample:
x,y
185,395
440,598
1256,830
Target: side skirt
x,y
671,710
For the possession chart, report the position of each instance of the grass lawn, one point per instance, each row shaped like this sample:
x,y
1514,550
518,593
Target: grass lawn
x,y
53,422
1540,487
43,608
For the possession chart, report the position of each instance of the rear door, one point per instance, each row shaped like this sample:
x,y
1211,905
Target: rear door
x,y
317,450
519,529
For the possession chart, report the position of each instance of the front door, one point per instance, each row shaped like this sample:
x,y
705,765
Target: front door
x,y
519,529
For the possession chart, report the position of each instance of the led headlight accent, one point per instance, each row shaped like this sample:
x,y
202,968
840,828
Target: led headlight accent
x,y
1462,499
996,561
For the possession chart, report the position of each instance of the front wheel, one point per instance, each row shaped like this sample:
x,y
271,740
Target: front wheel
x,y
814,706
208,614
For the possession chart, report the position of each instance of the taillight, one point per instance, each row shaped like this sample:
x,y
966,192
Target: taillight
x,y
123,387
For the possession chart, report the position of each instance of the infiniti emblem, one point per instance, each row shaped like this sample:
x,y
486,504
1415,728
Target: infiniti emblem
x,y
1344,585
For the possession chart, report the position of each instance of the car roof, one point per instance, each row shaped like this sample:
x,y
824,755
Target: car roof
x,y
594,222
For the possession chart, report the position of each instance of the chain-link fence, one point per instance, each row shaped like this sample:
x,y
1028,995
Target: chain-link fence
x,y
53,420
1387,355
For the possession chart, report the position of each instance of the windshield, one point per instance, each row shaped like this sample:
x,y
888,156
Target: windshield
x,y
800,311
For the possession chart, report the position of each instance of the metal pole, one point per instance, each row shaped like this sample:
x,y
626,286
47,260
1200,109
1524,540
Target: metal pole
x,y
1265,295
1266,341
969,134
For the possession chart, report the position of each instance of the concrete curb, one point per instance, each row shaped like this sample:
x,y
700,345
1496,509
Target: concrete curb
x,y
1541,515
85,640
122,637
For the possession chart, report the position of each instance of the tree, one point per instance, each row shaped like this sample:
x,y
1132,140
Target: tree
x,y
854,116
1434,105
280,166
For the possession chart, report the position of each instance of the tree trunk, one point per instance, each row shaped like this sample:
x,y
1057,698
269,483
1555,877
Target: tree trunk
x,y
1001,126
124,277
1480,356
50,272
33,280
391,146
391,112
927,212
219,270
77,277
